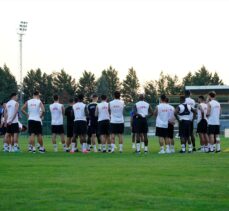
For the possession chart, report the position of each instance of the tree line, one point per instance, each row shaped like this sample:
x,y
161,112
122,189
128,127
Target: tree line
x,y
66,86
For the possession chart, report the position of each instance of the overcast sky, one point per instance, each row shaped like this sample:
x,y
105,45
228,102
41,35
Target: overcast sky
x,y
175,36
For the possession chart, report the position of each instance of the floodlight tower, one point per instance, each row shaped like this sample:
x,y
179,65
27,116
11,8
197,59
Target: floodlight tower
x,y
21,31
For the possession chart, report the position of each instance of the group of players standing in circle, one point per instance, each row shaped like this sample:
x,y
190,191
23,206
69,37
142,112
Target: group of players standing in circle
x,y
104,122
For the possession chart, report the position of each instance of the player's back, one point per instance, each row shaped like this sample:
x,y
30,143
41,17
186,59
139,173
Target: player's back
x,y
56,113
34,109
116,108
10,106
162,115
79,111
142,108
103,111
204,108
214,115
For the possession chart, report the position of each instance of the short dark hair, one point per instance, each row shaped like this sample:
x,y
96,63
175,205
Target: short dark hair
x,y
141,97
80,97
117,95
36,93
76,99
103,97
94,95
13,94
212,94
55,97
163,97
167,100
182,98
70,100
187,93
201,97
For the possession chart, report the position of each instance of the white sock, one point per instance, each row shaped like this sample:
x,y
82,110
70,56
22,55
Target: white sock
x,y
167,147
95,147
146,149
190,146
5,145
34,148
183,147
211,147
138,147
104,147
64,146
218,147
99,146
84,146
120,147
109,146
55,146
171,146
112,147
73,146
162,148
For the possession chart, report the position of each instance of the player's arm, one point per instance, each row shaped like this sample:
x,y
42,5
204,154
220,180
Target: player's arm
x,y
63,110
23,110
42,110
155,113
5,116
199,107
86,111
96,111
15,112
150,111
209,110
109,108
135,111
176,112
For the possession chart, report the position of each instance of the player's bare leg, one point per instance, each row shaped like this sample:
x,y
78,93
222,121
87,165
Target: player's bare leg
x,y
62,138
55,147
120,136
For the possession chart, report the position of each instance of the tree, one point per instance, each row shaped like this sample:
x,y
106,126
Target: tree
x,y
130,86
8,84
202,77
108,82
169,85
150,91
87,85
36,80
64,85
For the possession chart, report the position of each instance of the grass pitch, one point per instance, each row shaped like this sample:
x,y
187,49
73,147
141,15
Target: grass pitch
x,y
96,181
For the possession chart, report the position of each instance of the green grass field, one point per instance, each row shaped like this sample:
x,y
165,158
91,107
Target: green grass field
x,y
62,181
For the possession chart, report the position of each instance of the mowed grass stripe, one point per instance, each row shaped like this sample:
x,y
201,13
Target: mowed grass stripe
x,y
62,181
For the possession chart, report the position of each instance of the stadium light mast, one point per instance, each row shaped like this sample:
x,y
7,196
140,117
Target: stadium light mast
x,y
21,31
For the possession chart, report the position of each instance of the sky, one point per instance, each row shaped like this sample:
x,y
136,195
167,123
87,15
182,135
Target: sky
x,y
174,36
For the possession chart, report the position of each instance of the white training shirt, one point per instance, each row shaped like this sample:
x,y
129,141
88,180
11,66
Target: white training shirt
x,y
162,119
184,117
79,111
142,108
103,111
192,103
34,109
204,106
171,113
116,108
10,107
214,116
56,114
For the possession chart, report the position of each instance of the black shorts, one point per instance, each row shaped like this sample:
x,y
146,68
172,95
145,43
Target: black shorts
x,y
184,128
134,126
13,128
213,129
117,128
92,128
70,128
191,127
80,128
34,127
104,127
141,125
161,132
202,126
2,131
170,133
58,129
